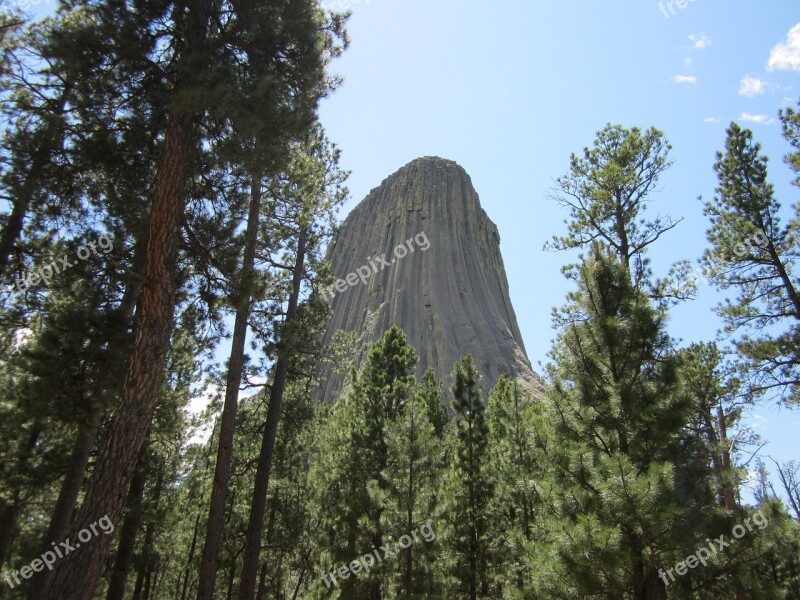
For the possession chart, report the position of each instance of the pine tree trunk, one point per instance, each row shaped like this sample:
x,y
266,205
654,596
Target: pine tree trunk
x,y
262,582
647,585
77,576
786,280
13,229
127,536
9,513
191,557
222,470
255,524
654,587
145,565
187,590
159,578
231,575
727,490
67,498
300,578
137,589
148,581
409,525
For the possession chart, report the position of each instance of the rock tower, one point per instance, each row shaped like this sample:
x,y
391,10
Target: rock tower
x,y
420,252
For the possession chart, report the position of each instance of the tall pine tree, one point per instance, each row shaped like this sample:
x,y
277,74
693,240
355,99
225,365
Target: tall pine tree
x,y
753,253
469,487
617,412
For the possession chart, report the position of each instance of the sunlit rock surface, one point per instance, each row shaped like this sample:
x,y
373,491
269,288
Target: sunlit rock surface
x,y
450,295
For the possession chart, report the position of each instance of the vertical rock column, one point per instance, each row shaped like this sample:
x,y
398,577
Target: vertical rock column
x,y
435,270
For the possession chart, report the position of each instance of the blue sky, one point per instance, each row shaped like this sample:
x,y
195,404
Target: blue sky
x,y
508,89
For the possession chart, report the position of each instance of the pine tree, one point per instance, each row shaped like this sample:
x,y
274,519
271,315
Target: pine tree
x,y
353,517
431,391
790,120
789,476
515,464
339,477
215,74
617,412
606,191
469,487
304,193
718,406
311,189
409,500
753,254
236,363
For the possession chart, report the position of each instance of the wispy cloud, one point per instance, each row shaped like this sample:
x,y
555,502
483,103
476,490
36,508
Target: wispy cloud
x,y
760,119
688,61
684,79
711,120
751,86
786,55
701,42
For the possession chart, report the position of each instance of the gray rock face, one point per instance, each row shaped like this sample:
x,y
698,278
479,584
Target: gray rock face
x,y
420,252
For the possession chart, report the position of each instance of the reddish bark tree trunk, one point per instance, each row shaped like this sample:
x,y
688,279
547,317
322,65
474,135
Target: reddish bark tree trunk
x,y
78,574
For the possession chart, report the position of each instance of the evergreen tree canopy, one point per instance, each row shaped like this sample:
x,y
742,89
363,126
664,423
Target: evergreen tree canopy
x,y
753,254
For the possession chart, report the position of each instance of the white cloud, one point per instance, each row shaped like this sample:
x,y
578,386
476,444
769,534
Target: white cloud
x,y
688,61
760,119
701,42
684,79
711,120
751,86
786,55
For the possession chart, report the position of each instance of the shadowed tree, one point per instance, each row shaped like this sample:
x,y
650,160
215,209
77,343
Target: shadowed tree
x,y
212,42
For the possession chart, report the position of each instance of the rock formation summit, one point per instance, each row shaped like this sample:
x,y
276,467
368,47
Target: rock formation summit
x,y
450,294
